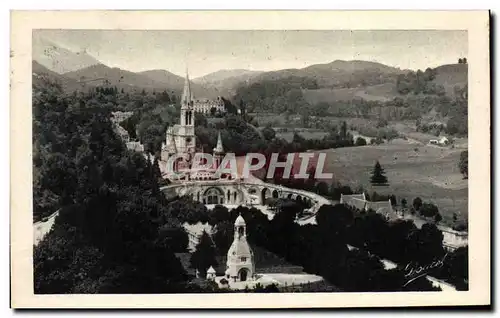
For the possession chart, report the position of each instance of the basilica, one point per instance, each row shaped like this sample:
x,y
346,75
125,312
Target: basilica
x,y
181,140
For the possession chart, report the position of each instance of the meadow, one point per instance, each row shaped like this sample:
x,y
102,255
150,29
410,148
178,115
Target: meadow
x,y
413,170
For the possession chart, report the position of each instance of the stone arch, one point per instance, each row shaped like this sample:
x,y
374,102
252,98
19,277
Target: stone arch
x,y
264,194
243,274
298,198
213,195
290,195
275,194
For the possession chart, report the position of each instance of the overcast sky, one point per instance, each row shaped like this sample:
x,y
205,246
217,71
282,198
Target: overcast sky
x,y
208,51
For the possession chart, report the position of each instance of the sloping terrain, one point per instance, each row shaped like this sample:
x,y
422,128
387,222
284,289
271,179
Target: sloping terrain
x,y
176,82
226,81
58,59
40,74
451,75
339,73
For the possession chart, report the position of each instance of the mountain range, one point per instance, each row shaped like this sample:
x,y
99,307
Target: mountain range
x,y
59,59
79,70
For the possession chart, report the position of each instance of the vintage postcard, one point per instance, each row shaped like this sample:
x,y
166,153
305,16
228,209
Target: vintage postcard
x,y
200,159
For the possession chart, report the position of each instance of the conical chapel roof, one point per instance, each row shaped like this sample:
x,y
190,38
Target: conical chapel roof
x,y
219,148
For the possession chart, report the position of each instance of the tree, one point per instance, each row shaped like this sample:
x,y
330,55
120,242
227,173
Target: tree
x,y
463,164
343,130
322,188
404,203
268,133
174,237
417,203
213,111
223,236
428,210
204,255
393,200
218,214
438,218
360,141
378,175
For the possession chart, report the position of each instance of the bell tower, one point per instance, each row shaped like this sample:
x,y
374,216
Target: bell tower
x,y
240,263
187,140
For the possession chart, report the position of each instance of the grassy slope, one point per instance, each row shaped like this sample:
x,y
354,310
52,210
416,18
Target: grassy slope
x,y
430,173
448,76
382,92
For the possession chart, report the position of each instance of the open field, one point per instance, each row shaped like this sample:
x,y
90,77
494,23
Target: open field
x,y
431,173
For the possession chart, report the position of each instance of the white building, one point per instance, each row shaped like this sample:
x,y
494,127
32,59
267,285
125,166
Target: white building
x,y
240,262
205,106
181,140
444,141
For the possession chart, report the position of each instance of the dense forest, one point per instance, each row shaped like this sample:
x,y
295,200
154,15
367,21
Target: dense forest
x,y
105,238
323,249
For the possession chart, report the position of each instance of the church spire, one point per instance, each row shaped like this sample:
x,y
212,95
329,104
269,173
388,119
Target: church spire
x,y
187,95
219,149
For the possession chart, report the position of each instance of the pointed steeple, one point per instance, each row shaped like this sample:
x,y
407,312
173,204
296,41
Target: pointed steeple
x,y
219,149
187,95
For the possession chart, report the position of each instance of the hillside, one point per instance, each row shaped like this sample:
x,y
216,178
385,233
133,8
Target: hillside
x,y
100,74
222,75
339,73
451,75
58,59
226,81
40,74
176,83
358,88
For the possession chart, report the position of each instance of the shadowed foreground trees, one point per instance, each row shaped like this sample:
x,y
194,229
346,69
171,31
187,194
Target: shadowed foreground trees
x,y
106,238
204,255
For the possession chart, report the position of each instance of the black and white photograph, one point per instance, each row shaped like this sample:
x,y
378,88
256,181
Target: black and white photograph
x,y
247,161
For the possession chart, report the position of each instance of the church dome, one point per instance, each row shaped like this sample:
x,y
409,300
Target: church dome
x,y
239,221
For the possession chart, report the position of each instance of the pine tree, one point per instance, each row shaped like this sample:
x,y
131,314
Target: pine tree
x,y
204,256
378,175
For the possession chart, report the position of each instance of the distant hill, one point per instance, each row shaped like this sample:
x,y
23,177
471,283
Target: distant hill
x,y
449,76
345,74
40,74
356,88
176,82
58,59
222,75
101,74
226,81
